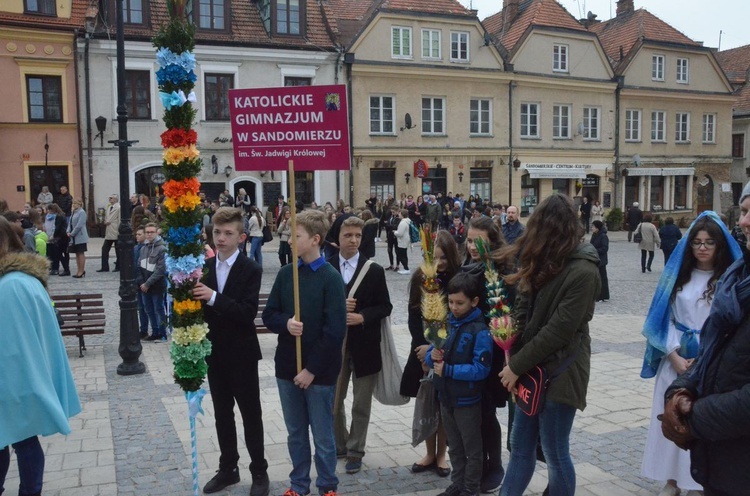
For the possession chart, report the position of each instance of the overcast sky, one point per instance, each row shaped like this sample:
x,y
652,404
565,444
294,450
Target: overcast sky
x,y
700,20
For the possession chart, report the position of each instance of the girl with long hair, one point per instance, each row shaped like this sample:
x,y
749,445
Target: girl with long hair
x,y
493,394
448,265
673,326
557,283
255,228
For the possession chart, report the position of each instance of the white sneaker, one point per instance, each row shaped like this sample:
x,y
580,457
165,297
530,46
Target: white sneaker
x,y
404,272
669,490
377,240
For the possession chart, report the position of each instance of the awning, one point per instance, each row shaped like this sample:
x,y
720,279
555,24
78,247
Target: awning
x,y
556,171
643,171
678,171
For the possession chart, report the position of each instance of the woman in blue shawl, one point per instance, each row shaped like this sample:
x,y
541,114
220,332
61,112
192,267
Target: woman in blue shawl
x,y
37,393
679,308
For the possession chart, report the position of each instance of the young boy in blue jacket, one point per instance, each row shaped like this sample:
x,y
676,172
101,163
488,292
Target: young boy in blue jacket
x,y
461,367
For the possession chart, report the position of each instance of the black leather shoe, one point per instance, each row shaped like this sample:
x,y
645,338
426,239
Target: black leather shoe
x,y
64,273
222,479
103,270
261,485
417,468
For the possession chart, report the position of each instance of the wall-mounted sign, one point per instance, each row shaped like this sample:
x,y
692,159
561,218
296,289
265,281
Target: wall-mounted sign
x,y
306,124
158,178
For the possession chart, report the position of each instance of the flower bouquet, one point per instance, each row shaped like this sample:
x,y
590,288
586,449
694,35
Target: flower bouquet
x,y
502,327
434,308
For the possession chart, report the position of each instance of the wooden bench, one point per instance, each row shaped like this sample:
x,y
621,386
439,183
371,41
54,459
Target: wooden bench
x,y
82,314
260,327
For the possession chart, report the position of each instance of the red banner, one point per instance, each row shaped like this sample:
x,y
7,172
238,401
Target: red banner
x,y
307,124
420,169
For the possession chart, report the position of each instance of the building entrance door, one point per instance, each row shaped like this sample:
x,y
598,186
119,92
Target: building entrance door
x,y
52,176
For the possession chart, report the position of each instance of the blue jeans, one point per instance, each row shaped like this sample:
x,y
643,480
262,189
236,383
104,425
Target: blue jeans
x,y
553,426
311,407
142,315
154,304
30,457
256,242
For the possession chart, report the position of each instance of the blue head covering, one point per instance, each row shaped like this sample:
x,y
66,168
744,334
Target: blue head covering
x,y
657,321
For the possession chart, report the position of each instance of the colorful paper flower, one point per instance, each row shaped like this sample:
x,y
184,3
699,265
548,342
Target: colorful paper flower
x,y
192,334
181,236
180,278
185,306
173,138
188,201
186,264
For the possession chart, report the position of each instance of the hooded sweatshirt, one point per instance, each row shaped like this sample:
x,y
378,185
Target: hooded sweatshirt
x,y
152,267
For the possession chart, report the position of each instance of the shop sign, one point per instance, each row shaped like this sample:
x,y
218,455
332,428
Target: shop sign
x,y
590,182
420,169
557,171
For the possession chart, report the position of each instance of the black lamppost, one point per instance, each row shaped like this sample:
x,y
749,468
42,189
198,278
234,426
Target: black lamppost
x,y
130,341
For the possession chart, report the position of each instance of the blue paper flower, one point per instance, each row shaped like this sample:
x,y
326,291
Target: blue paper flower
x,y
175,74
187,61
165,57
180,236
187,263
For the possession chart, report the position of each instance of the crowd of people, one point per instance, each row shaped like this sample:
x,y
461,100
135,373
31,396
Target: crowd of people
x,y
697,332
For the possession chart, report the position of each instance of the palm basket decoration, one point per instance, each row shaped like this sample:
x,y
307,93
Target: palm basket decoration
x,y
185,259
434,307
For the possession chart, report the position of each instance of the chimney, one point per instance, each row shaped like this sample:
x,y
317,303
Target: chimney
x,y
625,6
510,12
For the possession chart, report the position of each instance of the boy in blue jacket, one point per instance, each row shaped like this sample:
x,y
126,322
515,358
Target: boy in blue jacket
x,y
461,367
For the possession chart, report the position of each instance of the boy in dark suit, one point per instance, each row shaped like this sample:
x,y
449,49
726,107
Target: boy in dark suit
x,y
370,304
230,291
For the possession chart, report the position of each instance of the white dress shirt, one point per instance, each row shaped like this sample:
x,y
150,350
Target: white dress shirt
x,y
222,273
348,267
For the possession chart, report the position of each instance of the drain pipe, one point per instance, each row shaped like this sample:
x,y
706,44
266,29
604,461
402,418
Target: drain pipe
x,y
87,198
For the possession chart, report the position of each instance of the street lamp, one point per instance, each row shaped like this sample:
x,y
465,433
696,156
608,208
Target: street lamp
x,y
130,342
407,176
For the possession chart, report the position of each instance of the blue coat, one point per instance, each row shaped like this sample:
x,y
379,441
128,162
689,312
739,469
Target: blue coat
x,y
37,393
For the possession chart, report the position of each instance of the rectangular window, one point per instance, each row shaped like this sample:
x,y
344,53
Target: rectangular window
x,y
529,120
480,116
381,115
44,94
591,123
400,43
433,117
709,128
480,183
138,94
217,96
658,125
560,58
561,121
682,127
657,67
680,192
210,14
44,7
632,125
297,81
431,44
132,11
459,47
383,183
656,196
683,71
738,146
288,17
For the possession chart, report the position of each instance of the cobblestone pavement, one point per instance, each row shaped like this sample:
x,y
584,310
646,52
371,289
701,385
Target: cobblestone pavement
x,y
133,435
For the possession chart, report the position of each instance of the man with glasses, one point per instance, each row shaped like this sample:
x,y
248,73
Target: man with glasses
x,y
151,278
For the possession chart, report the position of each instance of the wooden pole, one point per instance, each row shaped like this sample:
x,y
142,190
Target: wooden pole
x,y
295,269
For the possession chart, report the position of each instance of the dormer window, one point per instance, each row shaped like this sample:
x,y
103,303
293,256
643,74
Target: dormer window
x,y
283,17
401,42
657,68
683,71
459,46
134,11
43,7
210,14
560,58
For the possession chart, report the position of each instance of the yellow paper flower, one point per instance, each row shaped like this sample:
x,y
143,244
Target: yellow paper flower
x,y
193,334
187,201
175,155
185,306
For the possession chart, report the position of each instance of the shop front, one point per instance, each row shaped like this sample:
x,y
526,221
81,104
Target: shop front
x,y
658,190
539,180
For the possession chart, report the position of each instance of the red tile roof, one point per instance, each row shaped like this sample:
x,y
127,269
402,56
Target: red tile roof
x,y
77,18
625,30
735,63
348,17
547,13
742,103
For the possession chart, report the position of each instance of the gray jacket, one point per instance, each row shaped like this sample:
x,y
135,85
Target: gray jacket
x,y
77,228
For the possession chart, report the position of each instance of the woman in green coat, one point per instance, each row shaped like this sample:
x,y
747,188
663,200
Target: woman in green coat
x,y
558,282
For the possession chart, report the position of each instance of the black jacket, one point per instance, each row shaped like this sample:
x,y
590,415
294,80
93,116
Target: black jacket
x,y
231,320
634,217
720,419
670,235
600,241
374,303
